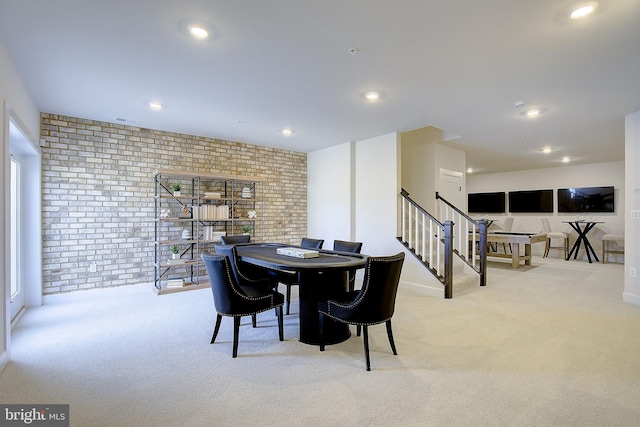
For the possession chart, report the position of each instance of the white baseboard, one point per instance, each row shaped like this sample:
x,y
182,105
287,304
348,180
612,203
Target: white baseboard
x,y
424,289
4,360
631,298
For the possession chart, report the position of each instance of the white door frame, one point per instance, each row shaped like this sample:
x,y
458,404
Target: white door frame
x,y
22,146
458,198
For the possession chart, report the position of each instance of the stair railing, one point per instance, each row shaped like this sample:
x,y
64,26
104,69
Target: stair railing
x,y
470,242
429,240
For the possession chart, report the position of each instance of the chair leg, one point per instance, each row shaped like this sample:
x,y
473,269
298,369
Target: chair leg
x,y
358,330
288,298
390,335
365,334
547,243
566,247
604,251
280,323
236,332
321,331
216,328
254,321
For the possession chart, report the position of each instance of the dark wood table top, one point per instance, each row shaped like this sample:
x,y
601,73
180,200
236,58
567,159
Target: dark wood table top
x,y
264,254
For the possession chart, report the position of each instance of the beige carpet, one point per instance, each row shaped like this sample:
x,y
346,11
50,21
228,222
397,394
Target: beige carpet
x,y
549,345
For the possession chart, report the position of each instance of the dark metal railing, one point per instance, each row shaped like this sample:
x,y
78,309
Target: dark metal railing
x,y
470,242
429,240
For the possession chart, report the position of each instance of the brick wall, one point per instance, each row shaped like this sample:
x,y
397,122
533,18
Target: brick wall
x,y
98,195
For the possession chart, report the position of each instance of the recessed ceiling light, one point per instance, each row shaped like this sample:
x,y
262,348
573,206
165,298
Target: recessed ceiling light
x,y
198,31
155,105
372,96
584,10
566,160
533,113
287,132
469,170
546,150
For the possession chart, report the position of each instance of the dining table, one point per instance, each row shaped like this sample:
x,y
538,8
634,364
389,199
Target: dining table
x,y
320,278
583,227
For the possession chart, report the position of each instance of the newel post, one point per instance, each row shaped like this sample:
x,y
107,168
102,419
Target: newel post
x,y
483,251
448,259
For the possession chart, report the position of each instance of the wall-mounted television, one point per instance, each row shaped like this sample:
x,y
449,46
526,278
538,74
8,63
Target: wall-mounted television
x,y
531,201
586,199
486,202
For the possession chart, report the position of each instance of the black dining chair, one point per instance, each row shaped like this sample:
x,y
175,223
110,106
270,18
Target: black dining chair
x,y
374,303
352,247
346,246
309,243
291,279
231,240
230,299
250,278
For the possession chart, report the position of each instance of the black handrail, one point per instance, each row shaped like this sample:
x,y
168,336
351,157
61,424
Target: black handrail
x,y
447,230
452,206
482,225
405,194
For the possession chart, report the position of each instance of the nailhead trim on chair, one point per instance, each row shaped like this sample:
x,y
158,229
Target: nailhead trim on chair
x,y
244,296
353,303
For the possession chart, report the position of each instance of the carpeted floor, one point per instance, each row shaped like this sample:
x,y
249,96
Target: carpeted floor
x,y
548,345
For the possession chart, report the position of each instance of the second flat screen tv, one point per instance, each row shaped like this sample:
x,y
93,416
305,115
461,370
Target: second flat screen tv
x,y
486,202
586,199
531,201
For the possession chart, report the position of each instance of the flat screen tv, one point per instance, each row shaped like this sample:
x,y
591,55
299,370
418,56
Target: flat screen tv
x,y
531,201
486,202
586,199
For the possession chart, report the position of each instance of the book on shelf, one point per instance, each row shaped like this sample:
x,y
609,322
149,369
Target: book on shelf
x,y
210,212
175,283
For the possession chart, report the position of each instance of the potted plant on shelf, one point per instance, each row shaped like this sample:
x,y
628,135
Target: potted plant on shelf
x,y
246,229
176,187
175,252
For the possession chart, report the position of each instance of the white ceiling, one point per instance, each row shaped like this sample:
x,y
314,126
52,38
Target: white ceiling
x,y
457,65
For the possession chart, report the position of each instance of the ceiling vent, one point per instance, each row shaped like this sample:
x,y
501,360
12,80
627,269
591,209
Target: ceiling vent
x,y
126,121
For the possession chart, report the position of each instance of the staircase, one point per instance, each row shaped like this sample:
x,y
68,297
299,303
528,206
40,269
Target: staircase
x,y
434,243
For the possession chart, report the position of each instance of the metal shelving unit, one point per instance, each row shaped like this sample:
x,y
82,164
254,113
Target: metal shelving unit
x,y
208,206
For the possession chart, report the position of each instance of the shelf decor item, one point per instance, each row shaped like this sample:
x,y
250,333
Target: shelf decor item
x,y
246,193
246,229
175,252
176,187
186,234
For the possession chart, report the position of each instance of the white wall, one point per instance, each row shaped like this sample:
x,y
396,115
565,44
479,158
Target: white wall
x,y
17,104
423,156
600,174
417,165
375,174
632,191
353,191
330,188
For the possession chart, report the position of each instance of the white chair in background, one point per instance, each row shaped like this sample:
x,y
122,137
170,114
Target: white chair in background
x,y
546,227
